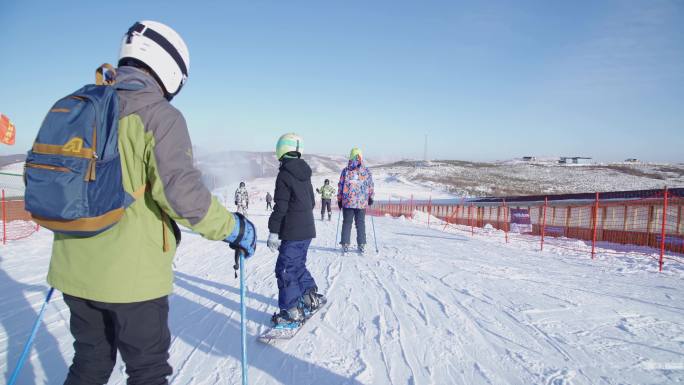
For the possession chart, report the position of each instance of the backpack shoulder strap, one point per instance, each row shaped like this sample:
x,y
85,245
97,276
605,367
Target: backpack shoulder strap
x,y
105,75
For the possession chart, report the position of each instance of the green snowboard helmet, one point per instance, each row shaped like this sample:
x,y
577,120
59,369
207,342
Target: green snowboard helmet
x,y
289,145
355,153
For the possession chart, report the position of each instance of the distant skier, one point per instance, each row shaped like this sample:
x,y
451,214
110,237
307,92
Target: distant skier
x,y
292,228
327,192
269,199
354,193
242,199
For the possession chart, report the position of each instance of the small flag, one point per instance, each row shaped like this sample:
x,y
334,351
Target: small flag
x,y
7,130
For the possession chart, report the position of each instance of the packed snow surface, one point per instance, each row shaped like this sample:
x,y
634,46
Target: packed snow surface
x,y
431,307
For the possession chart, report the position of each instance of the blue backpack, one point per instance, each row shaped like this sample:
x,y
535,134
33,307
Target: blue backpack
x,y
73,172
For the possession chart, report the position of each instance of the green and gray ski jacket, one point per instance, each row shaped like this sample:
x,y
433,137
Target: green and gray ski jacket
x,y
131,262
327,191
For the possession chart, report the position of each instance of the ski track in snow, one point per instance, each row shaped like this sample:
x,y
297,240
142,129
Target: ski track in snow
x,y
430,308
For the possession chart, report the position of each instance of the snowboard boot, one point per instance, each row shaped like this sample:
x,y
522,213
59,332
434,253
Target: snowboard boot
x,y
362,249
288,319
345,248
329,217
312,301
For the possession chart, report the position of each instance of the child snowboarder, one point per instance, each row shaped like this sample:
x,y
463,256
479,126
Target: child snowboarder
x,y
269,199
327,192
242,199
292,228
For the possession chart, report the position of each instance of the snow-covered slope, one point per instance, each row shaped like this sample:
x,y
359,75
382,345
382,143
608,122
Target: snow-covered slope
x,y
430,308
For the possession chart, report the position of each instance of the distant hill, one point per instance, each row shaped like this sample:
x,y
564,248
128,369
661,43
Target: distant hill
x,y
466,178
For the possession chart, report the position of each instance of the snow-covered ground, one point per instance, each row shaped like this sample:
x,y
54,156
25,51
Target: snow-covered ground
x,y
430,308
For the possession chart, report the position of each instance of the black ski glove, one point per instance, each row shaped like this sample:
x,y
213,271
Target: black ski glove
x,y
370,201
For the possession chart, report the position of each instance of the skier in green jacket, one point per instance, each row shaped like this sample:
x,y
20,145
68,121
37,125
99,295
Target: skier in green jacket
x,y
117,283
327,192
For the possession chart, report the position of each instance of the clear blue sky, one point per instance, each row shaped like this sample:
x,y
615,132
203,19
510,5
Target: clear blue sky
x,y
485,80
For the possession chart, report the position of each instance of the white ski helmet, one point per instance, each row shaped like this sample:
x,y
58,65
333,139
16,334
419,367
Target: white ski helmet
x,y
162,50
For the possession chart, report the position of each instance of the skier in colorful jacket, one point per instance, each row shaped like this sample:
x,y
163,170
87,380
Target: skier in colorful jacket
x,y
355,192
117,282
242,199
327,192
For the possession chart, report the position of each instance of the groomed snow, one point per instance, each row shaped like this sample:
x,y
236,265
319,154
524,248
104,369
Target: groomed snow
x,y
430,308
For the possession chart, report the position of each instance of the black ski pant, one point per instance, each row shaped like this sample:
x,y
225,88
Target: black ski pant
x,y
139,331
268,205
358,216
325,204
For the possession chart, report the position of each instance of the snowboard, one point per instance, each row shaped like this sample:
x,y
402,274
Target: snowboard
x,y
272,334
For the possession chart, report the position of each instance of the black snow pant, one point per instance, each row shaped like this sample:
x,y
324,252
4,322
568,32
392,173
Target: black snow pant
x,y
357,216
325,205
139,331
268,205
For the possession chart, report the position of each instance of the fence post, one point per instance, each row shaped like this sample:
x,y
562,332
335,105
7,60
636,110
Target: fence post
x,y
411,213
543,227
429,210
4,219
662,232
568,213
679,221
498,215
595,226
505,219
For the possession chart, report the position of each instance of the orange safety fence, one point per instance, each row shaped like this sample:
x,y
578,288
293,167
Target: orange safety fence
x,y
16,222
649,222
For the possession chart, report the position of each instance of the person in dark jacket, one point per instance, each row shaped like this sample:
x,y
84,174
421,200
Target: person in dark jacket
x,y
269,199
292,228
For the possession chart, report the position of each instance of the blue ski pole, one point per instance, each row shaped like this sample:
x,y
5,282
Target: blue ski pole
x,y
239,263
375,238
29,342
338,227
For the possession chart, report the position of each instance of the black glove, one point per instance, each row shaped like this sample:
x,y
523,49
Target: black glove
x,y
370,201
339,204
235,203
